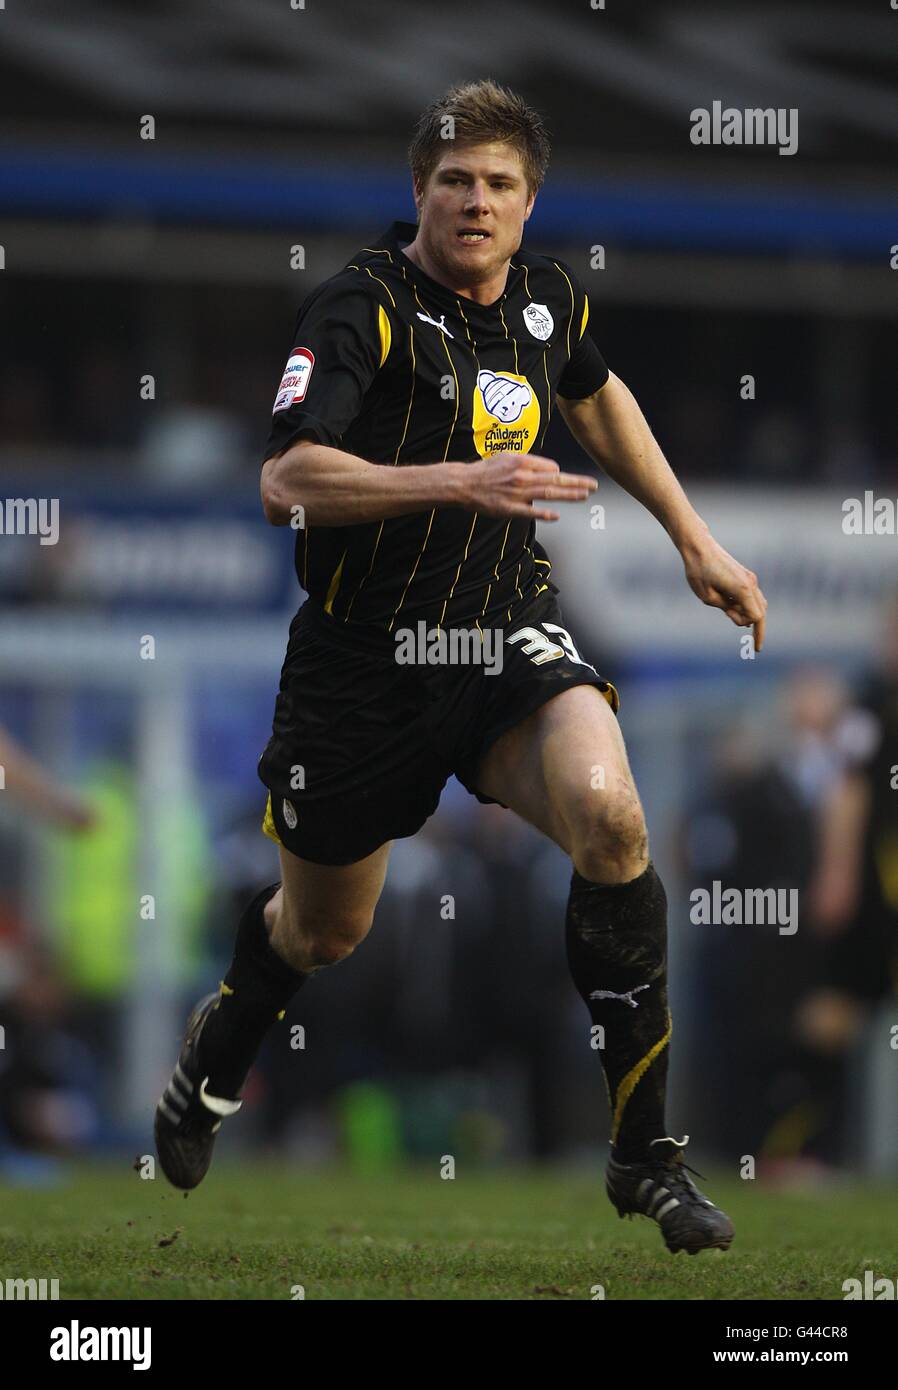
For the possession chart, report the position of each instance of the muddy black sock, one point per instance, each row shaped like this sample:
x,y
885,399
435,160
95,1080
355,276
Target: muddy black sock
x,y
254,994
617,952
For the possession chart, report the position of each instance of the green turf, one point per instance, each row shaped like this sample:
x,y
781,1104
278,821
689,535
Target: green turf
x,y
256,1230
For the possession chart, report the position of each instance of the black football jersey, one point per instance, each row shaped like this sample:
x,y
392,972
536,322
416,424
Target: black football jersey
x,y
394,367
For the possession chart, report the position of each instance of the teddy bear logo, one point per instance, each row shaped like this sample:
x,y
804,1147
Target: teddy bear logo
x,y
503,397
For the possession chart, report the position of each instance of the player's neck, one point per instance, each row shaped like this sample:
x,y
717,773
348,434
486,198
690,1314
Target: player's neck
x,y
484,292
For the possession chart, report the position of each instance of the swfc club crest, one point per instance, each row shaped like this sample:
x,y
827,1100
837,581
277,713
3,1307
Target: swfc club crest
x,y
539,321
505,413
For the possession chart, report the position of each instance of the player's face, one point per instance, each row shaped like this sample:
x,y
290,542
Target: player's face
x,y
472,212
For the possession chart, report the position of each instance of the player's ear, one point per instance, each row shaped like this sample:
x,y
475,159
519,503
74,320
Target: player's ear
x,y
530,201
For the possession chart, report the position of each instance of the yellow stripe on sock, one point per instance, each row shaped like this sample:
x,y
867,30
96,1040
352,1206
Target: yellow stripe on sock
x,y
628,1085
224,989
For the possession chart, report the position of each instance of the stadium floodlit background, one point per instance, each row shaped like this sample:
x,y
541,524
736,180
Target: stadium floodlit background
x,y
174,180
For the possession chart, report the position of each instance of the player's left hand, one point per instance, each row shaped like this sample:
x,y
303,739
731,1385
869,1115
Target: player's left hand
x,y
721,582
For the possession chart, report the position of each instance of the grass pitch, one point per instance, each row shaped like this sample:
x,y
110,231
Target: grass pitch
x,y
259,1230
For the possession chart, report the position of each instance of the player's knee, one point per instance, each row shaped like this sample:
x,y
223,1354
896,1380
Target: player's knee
x,y
309,942
334,940
611,840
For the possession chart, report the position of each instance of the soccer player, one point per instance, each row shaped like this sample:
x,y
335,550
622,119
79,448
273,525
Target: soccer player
x,y
405,448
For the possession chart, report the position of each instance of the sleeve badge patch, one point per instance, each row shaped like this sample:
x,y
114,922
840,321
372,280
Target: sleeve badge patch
x,y
295,381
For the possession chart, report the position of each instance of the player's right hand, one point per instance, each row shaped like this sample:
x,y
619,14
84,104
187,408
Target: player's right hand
x,y
507,484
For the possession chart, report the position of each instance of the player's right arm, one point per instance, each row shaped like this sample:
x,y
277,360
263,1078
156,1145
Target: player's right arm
x,y
342,340
333,488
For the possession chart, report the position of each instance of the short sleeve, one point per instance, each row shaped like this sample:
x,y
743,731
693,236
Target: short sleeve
x,y
586,370
339,342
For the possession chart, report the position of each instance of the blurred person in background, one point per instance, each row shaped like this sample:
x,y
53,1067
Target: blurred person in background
x,y
759,826
48,1078
854,893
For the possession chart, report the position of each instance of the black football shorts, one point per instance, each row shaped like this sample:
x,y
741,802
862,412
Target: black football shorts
x,y
362,744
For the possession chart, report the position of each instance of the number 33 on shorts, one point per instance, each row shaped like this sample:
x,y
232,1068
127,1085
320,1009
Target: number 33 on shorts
x,y
542,648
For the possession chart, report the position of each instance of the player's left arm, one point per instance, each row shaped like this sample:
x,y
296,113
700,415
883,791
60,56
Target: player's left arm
x,y
610,427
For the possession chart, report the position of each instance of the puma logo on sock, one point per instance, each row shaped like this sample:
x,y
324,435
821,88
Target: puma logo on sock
x,y
610,994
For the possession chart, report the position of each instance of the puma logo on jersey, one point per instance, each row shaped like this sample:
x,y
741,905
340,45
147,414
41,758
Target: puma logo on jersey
x,y
441,325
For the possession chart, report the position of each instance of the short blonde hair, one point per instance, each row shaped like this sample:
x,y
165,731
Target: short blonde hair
x,y
482,113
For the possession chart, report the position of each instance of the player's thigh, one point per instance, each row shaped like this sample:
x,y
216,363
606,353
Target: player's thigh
x,y
564,768
320,899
